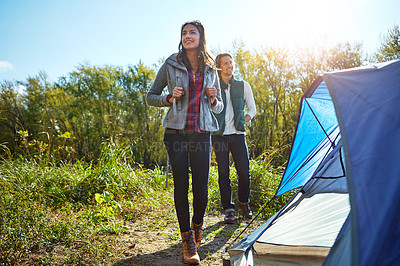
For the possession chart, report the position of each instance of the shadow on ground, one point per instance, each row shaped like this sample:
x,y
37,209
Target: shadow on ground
x,y
211,252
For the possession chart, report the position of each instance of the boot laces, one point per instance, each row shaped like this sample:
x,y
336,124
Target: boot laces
x,y
190,244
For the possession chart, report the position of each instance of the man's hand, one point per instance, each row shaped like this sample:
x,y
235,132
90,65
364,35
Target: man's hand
x,y
247,118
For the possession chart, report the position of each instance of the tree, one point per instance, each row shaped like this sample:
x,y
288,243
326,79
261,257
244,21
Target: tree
x,y
278,77
390,46
73,118
310,62
11,115
93,109
142,127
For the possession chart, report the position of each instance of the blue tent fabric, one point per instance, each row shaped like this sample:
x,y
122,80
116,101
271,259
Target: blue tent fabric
x,y
367,103
359,109
340,253
317,119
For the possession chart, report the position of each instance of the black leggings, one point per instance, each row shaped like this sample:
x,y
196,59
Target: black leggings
x,y
184,147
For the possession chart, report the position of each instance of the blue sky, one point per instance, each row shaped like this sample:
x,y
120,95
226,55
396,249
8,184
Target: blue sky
x,y
55,36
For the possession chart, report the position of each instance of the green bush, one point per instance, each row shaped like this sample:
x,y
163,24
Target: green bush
x,y
81,206
47,204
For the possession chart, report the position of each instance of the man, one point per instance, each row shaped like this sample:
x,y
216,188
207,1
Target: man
x,y
231,138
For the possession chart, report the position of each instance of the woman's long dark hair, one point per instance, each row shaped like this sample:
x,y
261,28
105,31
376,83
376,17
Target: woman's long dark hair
x,y
203,57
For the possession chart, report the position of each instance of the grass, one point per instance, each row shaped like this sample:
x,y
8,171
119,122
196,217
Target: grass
x,y
63,213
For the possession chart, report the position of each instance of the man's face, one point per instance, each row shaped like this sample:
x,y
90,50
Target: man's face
x,y
227,66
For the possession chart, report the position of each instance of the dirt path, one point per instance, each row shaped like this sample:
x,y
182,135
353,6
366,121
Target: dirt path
x,y
152,244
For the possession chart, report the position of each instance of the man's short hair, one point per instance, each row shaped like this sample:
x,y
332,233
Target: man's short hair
x,y
219,57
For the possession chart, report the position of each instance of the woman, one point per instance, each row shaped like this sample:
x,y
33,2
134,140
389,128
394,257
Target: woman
x,y
194,95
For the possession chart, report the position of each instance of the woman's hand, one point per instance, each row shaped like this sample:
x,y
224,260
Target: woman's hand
x,y
211,93
176,93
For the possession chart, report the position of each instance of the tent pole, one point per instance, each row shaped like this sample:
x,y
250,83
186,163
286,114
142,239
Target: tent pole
x,y
252,220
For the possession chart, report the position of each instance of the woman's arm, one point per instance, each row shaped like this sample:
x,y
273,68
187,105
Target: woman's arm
x,y
154,97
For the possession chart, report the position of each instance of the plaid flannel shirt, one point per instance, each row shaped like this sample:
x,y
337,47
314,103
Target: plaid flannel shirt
x,y
195,87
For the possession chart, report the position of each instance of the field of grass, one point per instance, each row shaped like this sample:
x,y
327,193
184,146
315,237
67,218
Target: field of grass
x,y
62,213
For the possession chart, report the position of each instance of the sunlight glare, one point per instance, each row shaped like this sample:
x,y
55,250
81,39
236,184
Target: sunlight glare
x,y
304,22
309,18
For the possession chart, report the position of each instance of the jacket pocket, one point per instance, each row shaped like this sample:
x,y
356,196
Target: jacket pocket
x,y
170,117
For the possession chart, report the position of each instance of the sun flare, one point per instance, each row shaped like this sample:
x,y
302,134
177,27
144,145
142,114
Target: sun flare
x,y
302,22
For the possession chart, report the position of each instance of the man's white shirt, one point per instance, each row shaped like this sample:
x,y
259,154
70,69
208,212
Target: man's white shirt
x,y
229,115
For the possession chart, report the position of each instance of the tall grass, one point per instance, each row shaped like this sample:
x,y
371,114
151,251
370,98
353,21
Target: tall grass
x,y
70,213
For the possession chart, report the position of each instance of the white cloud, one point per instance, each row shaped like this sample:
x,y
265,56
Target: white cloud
x,y
5,66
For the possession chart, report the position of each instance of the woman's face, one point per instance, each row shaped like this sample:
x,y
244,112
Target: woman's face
x,y
190,37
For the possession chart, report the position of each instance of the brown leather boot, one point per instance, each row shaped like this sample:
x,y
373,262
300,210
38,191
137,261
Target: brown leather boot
x,y
190,255
197,233
244,207
229,216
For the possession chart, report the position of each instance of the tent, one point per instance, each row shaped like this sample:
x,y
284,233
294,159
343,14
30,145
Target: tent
x,y
345,163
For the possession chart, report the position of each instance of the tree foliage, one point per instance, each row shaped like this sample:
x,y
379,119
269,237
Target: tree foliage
x,y
73,118
278,77
390,46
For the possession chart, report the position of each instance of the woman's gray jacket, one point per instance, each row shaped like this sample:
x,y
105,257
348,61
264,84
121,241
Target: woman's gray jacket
x,y
174,74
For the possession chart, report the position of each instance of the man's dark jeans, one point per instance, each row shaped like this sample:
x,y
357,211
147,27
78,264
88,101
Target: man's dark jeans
x,y
189,148
236,145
